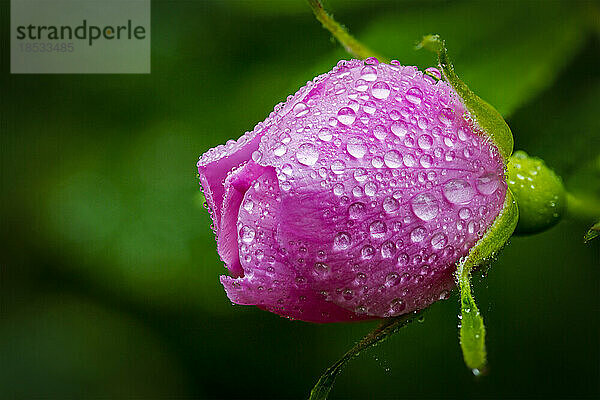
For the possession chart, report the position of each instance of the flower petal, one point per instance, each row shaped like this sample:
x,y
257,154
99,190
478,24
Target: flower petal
x,y
236,184
271,280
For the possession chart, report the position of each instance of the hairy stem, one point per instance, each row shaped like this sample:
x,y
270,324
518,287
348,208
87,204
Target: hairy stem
x,y
387,328
352,46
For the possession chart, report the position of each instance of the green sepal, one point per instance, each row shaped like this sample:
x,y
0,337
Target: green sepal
x,y
472,328
484,115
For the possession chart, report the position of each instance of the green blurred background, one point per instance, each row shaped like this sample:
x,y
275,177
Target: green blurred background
x,y
109,275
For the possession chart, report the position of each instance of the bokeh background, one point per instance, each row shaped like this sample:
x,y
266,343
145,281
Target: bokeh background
x,y
109,273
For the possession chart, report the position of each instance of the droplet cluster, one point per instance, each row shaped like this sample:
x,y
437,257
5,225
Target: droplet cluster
x,y
375,182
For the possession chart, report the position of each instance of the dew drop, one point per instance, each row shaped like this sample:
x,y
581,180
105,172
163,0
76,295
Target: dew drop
x,y
458,191
392,159
361,85
446,116
425,206
321,269
369,107
368,73
247,234
325,135
399,129
379,132
409,160
439,241
418,234
380,90
426,161
487,184
307,154
425,142
346,116
397,306
367,252
464,213
388,249
370,188
348,294
378,229
360,174
390,204
342,241
356,210
338,167
300,109
356,147
377,162
414,95
280,150
435,72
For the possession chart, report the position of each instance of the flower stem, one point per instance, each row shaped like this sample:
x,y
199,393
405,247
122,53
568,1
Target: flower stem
x,y
582,207
352,46
387,328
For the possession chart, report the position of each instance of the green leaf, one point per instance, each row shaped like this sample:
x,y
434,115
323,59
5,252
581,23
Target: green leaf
x,y
387,328
472,330
593,233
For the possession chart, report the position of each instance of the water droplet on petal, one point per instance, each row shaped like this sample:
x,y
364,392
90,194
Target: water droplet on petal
x,y
379,132
367,252
377,162
487,184
464,213
325,135
342,241
458,191
435,72
356,210
418,234
368,73
425,206
397,306
346,116
392,159
361,85
399,129
307,154
378,229
338,167
300,109
390,204
356,147
256,156
414,95
446,116
247,234
425,141
439,241
380,90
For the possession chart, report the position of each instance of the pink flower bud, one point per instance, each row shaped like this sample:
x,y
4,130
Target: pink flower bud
x,y
355,198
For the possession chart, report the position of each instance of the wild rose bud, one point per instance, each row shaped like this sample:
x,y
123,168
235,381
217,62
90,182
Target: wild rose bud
x,y
355,198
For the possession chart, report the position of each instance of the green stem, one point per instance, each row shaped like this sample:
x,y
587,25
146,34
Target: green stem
x,y
582,207
351,45
387,328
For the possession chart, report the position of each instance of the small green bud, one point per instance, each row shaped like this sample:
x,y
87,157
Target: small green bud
x,y
539,192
